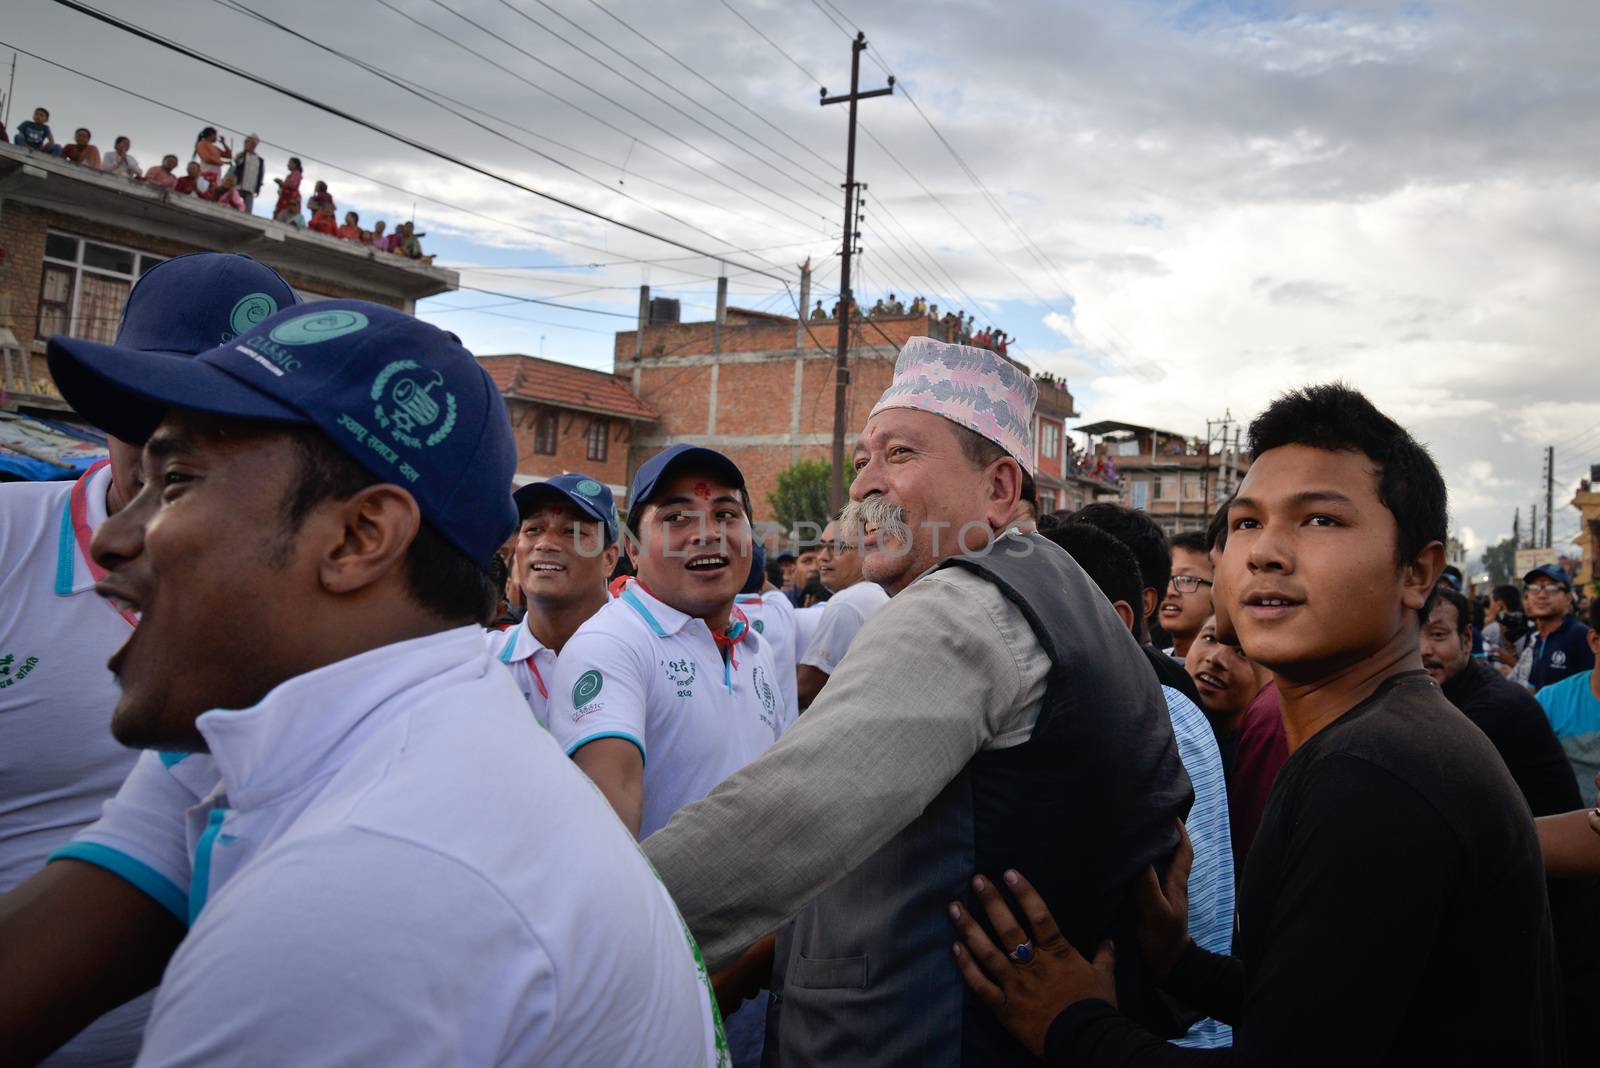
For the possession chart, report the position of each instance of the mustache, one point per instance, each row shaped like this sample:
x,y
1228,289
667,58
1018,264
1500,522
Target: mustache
x,y
877,512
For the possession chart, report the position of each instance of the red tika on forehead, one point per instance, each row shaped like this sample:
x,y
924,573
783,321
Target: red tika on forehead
x,y
702,490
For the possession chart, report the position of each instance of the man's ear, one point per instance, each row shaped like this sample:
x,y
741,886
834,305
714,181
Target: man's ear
x,y
1124,612
1152,601
1005,490
1422,575
372,532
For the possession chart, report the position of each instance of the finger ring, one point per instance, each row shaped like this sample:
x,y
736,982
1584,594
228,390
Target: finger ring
x,y
1023,954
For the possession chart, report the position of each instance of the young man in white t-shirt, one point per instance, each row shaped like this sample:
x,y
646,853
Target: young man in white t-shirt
x,y
392,863
566,548
853,602
667,690
772,616
58,760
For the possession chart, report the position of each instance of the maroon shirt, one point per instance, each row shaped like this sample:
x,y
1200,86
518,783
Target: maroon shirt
x,y
1261,750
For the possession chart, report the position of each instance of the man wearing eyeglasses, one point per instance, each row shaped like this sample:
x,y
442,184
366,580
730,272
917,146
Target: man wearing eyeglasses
x,y
1186,604
1560,648
853,602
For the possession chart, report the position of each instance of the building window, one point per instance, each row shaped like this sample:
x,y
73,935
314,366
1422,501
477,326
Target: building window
x,y
1141,493
599,434
1191,487
1166,488
545,432
1047,502
84,285
1049,440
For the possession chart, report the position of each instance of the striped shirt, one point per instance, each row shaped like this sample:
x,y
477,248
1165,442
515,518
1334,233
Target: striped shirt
x,y
1211,879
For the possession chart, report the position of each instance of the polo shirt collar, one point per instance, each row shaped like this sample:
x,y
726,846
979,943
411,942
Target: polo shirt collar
x,y
73,574
521,643
301,731
659,616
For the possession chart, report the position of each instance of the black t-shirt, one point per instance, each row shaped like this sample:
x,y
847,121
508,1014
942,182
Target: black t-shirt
x,y
1392,911
1171,672
1516,724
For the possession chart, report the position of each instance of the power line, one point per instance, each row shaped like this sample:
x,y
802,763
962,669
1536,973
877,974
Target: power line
x,y
731,98
420,146
613,102
629,59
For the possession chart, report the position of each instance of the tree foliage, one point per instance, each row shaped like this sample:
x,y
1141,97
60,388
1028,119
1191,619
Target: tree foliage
x,y
801,496
1501,562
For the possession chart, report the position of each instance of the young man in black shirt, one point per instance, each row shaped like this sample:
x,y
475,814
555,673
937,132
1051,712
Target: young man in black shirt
x,y
1392,911
1515,723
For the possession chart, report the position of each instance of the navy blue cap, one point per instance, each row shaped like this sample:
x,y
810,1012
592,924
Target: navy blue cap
x,y
668,462
1553,572
758,569
403,398
590,496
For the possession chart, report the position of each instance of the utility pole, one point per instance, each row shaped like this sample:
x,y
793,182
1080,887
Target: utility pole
x,y
1549,495
1533,527
841,380
1516,530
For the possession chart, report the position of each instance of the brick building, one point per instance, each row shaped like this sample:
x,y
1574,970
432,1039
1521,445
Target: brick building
x,y
74,241
569,419
1178,480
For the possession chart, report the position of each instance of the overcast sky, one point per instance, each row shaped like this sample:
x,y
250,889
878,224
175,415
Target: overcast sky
x,y
1184,208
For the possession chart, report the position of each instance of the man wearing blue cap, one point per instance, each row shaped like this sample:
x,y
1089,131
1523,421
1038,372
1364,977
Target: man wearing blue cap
x,y
566,548
58,761
667,690
308,557
1560,648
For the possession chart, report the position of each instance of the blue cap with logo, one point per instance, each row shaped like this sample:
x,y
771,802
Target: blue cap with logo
x,y
1553,572
401,397
663,465
590,496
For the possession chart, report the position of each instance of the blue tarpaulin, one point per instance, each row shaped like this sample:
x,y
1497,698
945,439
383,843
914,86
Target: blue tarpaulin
x,y
40,450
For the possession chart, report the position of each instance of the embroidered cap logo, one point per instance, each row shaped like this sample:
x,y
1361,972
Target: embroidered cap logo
x,y
318,327
251,310
589,488
409,405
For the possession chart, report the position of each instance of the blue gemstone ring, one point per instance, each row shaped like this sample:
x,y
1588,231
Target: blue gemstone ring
x,y
1023,954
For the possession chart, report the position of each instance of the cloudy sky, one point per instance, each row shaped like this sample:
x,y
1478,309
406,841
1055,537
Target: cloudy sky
x,y
1183,207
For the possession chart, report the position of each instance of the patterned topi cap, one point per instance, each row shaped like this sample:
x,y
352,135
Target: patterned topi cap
x,y
972,387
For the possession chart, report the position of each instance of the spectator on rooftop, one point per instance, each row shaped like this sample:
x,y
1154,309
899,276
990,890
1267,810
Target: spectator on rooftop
x,y
287,209
411,244
321,200
82,151
164,175
249,169
817,314
895,307
351,229
377,238
36,134
226,193
193,182
1002,342
212,151
322,220
117,161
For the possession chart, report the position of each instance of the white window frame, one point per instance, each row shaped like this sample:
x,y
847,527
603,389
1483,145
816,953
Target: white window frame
x,y
1139,493
1049,440
78,268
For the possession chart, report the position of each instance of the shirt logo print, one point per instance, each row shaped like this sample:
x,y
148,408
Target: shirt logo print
x,y
12,673
680,673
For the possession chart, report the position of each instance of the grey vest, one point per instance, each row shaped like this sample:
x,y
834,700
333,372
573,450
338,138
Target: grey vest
x,y
1081,809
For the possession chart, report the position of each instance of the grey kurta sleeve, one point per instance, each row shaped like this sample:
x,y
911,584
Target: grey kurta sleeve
x,y
947,668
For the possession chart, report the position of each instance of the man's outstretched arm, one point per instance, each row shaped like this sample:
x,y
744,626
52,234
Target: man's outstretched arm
x,y
76,941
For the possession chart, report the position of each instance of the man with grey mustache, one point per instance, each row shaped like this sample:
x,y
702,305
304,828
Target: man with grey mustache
x,y
994,714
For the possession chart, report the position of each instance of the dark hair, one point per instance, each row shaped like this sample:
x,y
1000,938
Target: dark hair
x,y
1594,613
1509,596
1107,561
121,138
207,132
440,577
1336,418
982,452
1217,527
294,163
1443,591
82,130
1192,540
46,112
1139,533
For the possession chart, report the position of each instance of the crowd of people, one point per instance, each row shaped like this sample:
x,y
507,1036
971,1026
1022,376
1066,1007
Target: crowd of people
x,y
953,327
217,174
334,748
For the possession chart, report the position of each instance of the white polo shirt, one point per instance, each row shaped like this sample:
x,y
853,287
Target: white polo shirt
x,y
806,621
530,663
645,672
58,761
394,864
772,616
842,616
